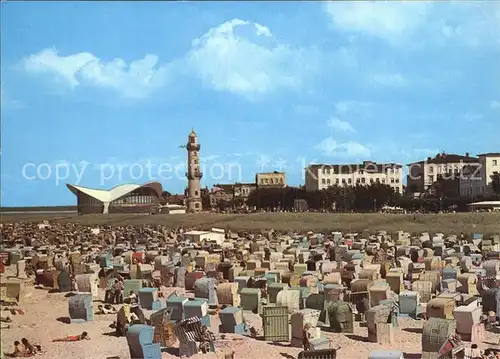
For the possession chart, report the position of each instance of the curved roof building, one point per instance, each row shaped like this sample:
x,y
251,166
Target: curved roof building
x,y
126,198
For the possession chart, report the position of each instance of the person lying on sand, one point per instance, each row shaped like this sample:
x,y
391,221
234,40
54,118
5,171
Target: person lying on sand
x,y
19,351
31,349
73,338
132,298
106,309
5,320
15,311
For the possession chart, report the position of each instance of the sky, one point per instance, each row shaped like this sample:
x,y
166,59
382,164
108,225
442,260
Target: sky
x,y
104,93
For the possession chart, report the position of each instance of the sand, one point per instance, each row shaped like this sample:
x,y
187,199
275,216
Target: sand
x,y
42,323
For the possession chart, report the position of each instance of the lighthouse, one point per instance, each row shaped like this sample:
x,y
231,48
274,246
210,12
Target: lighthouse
x,y
193,174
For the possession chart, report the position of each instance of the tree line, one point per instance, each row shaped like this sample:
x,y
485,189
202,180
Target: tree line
x,y
371,198
334,198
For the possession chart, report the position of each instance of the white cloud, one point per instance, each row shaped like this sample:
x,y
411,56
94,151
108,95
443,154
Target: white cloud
x,y
65,67
226,58
355,149
134,80
330,147
228,61
346,112
388,20
339,125
472,23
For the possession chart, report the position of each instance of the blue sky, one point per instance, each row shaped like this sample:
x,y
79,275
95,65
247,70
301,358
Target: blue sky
x,y
267,86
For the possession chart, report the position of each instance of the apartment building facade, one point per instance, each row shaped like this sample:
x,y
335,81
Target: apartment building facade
x,y
270,179
229,192
476,179
322,176
423,175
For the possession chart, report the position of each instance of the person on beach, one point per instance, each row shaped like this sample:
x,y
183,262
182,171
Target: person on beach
x,y
306,337
30,348
19,351
73,338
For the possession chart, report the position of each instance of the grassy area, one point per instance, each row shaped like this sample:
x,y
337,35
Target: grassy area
x,y
487,223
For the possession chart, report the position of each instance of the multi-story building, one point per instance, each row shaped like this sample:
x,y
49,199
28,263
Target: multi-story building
x,y
422,175
229,192
321,176
243,190
219,194
476,179
270,179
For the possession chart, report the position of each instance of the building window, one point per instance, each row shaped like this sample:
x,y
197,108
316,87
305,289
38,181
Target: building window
x,y
392,180
323,181
383,180
378,180
261,181
328,181
358,180
349,180
191,139
337,181
495,162
431,169
371,180
397,180
197,205
397,189
363,180
343,180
